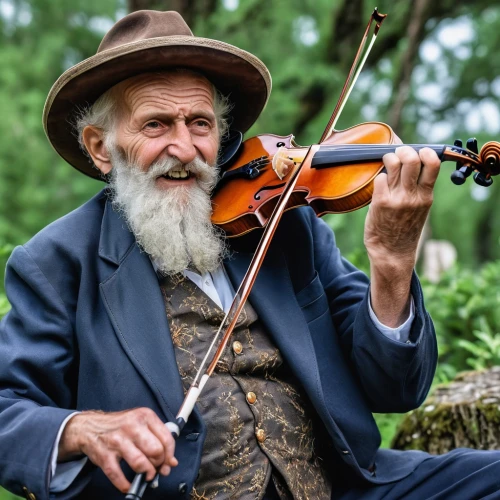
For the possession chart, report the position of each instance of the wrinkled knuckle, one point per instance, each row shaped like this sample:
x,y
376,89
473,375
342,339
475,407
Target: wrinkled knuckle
x,y
386,202
155,451
138,463
403,205
146,413
427,201
115,441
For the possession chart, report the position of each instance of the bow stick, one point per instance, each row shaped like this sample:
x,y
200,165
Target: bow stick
x,y
139,484
355,70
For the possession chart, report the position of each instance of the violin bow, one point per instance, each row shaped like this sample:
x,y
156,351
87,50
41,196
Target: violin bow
x,y
207,366
376,20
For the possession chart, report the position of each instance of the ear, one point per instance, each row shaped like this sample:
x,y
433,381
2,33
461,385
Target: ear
x,y
93,138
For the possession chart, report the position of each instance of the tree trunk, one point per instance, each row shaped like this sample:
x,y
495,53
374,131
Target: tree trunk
x,y
464,413
415,35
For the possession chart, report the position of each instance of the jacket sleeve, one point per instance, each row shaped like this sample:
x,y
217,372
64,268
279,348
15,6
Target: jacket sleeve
x,y
37,373
395,376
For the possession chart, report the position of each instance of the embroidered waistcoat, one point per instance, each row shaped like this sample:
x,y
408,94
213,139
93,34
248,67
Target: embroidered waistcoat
x,y
259,425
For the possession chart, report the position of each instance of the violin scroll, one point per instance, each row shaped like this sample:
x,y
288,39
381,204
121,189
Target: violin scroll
x,y
485,163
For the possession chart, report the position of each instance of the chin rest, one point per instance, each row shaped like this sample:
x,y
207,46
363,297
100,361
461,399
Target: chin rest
x,y
230,145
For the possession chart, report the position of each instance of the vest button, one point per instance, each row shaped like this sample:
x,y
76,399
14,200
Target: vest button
x,y
251,397
261,435
182,488
237,347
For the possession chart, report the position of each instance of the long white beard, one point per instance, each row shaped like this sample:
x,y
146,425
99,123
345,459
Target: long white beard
x,y
172,226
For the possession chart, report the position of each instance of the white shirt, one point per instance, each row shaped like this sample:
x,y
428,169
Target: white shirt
x,y
218,287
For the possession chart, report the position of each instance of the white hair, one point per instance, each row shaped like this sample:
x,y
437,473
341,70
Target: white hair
x,y
103,113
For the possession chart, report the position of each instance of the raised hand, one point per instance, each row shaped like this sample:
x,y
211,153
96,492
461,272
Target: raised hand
x,y
401,201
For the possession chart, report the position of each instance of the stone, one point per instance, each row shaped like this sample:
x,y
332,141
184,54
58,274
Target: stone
x,y
464,413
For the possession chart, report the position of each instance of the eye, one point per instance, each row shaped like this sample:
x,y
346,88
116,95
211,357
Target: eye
x,y
201,123
153,125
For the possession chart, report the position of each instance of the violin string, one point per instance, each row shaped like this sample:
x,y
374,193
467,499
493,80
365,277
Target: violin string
x,y
350,147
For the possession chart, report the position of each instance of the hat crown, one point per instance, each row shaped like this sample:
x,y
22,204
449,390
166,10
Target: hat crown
x,y
144,24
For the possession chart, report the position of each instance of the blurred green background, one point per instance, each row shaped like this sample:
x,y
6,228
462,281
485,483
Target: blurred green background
x,y
431,75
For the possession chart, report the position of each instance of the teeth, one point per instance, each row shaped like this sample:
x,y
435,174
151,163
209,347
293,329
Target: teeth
x,y
178,174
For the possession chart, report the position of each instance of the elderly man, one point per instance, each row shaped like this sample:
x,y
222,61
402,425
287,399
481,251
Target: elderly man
x,y
114,305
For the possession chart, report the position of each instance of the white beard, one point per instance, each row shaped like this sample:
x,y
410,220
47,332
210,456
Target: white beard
x,y
172,226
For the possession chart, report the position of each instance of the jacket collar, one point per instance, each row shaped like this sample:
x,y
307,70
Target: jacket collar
x,y
116,238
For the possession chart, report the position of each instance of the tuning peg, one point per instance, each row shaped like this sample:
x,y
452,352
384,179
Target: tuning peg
x,y
481,179
472,145
459,176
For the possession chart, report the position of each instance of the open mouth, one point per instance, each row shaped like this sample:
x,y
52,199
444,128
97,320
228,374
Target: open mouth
x,y
177,175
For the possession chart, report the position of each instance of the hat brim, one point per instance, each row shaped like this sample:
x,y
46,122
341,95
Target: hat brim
x,y
236,73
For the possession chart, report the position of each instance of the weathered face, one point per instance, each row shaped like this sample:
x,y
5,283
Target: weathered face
x,y
167,115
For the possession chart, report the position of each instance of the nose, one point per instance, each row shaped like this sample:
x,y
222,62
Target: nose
x,y
180,143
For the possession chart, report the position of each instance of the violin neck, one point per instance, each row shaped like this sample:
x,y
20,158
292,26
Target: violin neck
x,y
332,155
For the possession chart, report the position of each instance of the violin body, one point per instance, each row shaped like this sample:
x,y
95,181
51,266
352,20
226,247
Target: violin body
x,y
242,204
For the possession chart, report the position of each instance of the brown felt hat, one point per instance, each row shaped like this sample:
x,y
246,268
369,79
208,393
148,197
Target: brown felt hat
x,y
144,41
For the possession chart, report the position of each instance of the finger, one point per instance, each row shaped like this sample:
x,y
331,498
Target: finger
x,y
381,189
410,167
151,447
393,167
165,437
431,165
138,461
111,467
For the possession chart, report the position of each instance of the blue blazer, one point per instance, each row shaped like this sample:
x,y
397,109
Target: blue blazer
x,y
88,330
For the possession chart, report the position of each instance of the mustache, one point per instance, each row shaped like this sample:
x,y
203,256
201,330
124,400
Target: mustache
x,y
162,167
206,175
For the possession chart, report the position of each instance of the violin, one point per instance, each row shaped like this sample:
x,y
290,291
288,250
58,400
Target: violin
x,y
336,177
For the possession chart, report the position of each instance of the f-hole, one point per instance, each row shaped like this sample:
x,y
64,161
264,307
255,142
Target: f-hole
x,y
268,188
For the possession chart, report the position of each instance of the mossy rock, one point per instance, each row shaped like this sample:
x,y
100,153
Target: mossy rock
x,y
463,413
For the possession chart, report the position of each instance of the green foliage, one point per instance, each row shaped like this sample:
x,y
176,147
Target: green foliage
x,y
5,495
387,425
461,303
4,305
485,350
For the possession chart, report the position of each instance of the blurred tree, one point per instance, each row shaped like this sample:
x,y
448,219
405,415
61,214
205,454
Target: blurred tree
x,y
38,41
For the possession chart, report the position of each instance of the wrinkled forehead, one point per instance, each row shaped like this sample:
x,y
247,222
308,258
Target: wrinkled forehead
x,y
182,85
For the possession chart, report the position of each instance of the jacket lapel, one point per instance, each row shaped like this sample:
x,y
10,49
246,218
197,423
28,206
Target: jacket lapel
x,y
135,305
274,300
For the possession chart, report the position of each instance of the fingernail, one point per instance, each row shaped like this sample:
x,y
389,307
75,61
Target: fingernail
x,y
174,462
165,470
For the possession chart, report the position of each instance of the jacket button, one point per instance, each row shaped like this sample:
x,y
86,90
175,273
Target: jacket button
x,y
237,347
261,435
28,494
251,397
182,488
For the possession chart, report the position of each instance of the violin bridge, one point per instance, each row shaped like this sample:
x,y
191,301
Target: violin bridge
x,y
282,163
